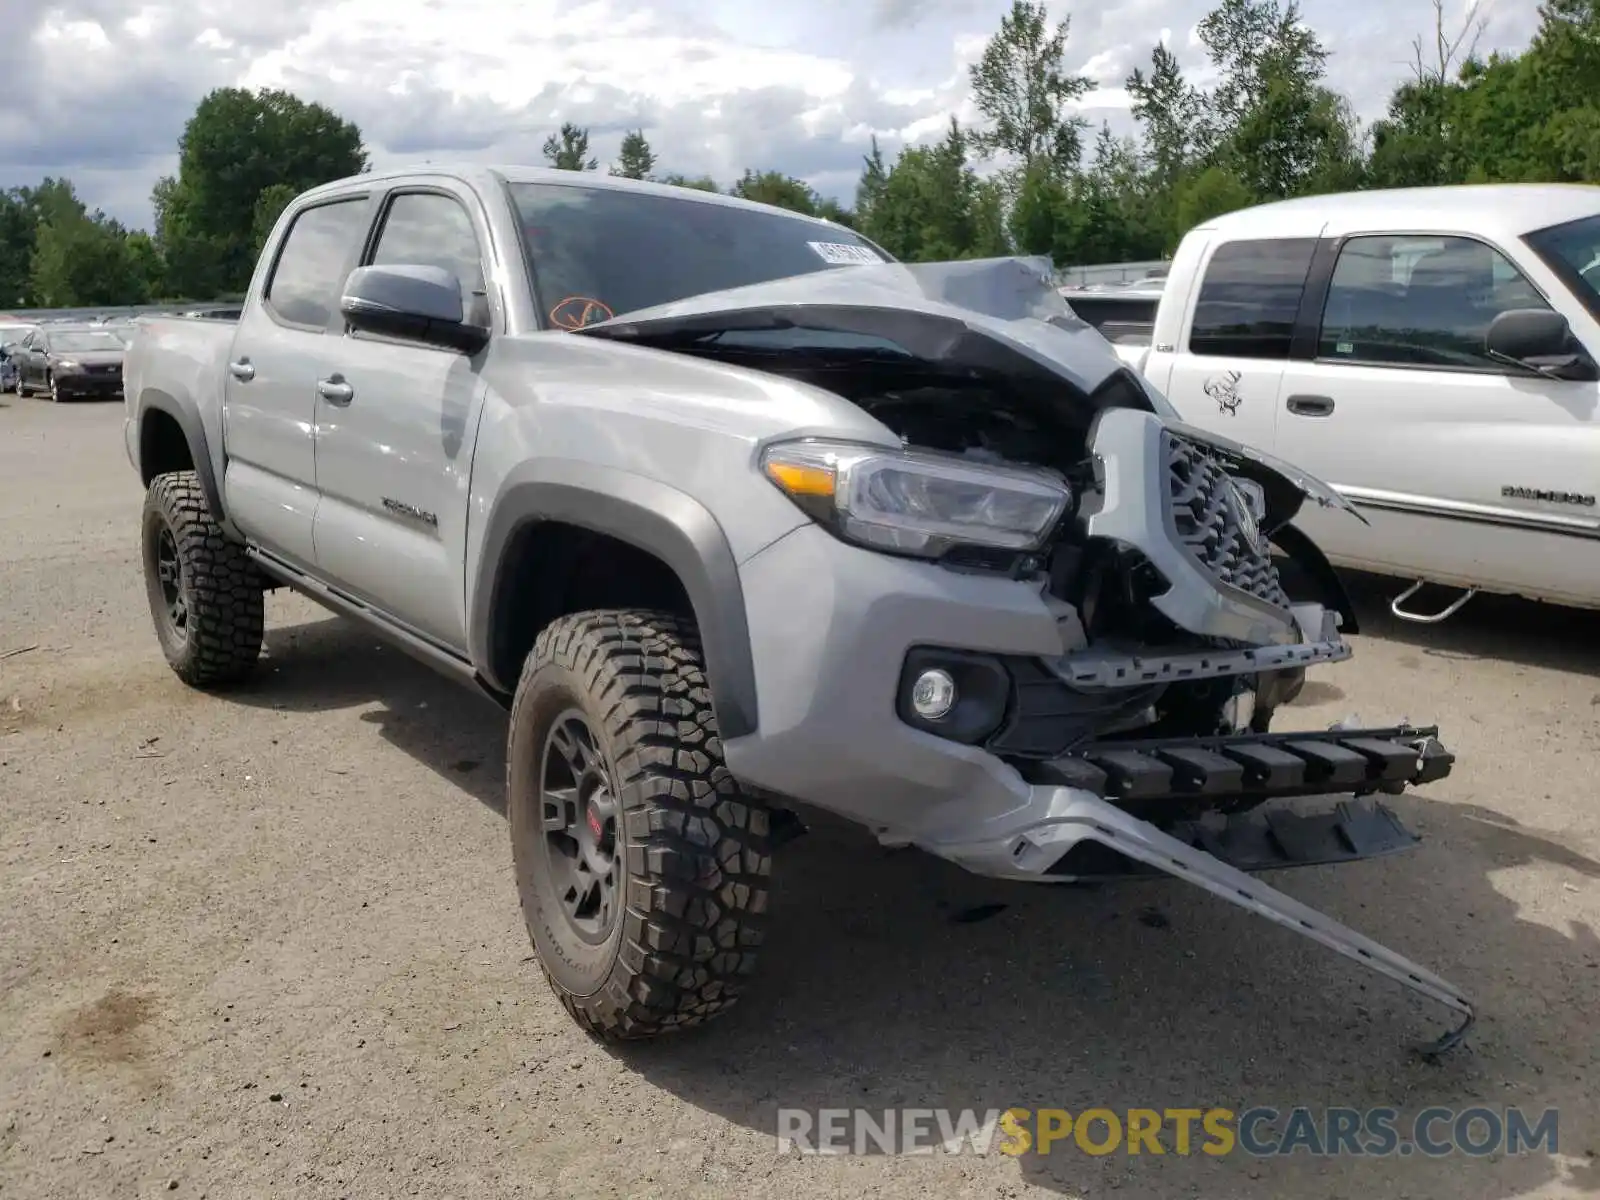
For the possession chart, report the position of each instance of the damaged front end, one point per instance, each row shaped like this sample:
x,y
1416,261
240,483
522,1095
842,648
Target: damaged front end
x,y
1188,603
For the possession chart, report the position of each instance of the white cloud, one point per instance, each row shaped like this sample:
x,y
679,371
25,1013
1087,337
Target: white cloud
x,y
717,85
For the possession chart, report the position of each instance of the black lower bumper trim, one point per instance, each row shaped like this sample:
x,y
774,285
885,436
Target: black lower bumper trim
x,y
1262,840
1254,766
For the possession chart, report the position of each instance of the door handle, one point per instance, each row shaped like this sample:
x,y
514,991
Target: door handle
x,y
1311,406
335,390
242,369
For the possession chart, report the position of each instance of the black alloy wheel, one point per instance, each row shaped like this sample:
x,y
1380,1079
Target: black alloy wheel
x,y
579,814
169,576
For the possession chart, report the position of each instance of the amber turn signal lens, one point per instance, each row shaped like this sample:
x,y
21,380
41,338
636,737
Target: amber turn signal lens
x,y
800,479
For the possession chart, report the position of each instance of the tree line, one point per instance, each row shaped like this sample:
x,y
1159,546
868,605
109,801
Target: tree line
x,y
1032,177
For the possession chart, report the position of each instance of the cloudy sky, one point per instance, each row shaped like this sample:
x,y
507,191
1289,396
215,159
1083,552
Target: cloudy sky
x,y
98,90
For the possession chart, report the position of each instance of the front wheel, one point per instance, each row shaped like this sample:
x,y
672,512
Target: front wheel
x,y
206,597
54,389
641,865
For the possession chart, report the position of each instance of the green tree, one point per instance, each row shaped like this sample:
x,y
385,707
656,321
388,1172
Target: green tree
x,y
774,187
699,183
990,238
1039,209
81,257
17,232
635,160
569,150
1416,143
830,209
148,262
933,206
874,176
1211,193
1271,121
237,145
1021,87
1168,111
269,207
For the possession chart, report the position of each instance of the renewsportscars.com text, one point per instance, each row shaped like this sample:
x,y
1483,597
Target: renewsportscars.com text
x,y
1260,1131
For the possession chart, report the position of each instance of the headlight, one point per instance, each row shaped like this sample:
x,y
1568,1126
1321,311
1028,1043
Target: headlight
x,y
917,503
65,364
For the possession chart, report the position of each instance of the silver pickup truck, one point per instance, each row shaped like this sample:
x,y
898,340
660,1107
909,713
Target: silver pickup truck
x,y
740,518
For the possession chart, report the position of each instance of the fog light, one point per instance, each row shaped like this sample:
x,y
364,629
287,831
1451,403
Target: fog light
x,y
933,695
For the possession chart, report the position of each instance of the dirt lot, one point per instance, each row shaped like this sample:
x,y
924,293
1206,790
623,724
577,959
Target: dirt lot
x,y
268,944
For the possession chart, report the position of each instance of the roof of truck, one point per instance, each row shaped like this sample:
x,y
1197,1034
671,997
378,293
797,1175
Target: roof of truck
x,y
1506,209
480,174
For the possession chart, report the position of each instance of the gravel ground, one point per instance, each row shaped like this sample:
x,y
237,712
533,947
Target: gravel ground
x,y
268,944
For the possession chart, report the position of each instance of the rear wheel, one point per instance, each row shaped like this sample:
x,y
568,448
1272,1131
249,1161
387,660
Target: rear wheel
x,y
206,598
641,865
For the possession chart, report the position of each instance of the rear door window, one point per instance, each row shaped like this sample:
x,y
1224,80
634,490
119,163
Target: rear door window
x,y
316,257
1249,298
1419,301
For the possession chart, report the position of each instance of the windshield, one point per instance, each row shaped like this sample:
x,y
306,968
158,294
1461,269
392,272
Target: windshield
x,y
601,252
1572,251
83,343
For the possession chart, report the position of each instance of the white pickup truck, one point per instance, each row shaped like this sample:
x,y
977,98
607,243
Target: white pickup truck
x,y
1431,352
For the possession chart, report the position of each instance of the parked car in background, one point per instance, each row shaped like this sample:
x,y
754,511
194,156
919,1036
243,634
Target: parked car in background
x,y
1434,353
69,361
11,335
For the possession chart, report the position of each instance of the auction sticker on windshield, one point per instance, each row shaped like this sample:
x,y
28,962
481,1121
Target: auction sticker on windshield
x,y
842,255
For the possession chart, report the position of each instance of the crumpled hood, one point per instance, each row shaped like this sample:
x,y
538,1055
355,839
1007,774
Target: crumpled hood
x,y
995,314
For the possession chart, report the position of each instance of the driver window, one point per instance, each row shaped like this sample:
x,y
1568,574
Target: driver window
x,y
1419,301
433,230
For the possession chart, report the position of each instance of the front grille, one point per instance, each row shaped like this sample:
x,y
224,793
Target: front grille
x,y
109,369
1211,522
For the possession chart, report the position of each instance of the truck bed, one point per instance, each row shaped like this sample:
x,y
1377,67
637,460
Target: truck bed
x,y
176,354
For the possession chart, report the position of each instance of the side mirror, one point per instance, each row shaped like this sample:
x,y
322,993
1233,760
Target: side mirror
x,y
1524,333
422,303
1540,340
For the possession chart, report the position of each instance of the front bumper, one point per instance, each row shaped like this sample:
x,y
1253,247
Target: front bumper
x,y
1062,818
1161,778
88,383
1076,825
830,628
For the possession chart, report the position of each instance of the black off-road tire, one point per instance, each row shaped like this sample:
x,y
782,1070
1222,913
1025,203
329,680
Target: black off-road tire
x,y
693,849
221,592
